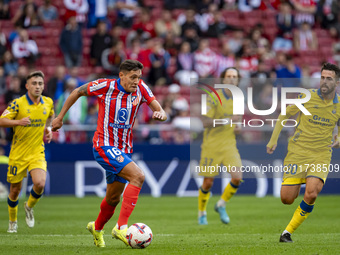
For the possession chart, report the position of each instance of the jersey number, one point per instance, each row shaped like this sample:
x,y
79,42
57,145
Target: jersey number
x,y
114,152
13,170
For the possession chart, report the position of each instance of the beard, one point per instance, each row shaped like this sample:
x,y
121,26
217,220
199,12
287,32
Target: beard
x,y
326,90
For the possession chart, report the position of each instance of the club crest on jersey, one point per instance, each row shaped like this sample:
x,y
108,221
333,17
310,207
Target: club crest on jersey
x,y
44,112
28,111
120,158
134,100
122,115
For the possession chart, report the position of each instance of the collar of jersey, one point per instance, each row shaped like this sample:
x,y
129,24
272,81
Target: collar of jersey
x,y
120,87
335,99
30,102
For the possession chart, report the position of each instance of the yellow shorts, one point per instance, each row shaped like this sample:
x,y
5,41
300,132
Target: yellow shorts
x,y
210,164
17,170
298,168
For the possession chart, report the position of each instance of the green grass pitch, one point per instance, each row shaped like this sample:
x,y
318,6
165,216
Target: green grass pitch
x,y
255,226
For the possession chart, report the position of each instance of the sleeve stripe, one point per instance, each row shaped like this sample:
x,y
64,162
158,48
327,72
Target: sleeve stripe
x,y
147,89
97,87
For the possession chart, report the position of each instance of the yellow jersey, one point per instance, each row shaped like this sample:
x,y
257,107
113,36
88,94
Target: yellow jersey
x,y
28,140
314,132
221,136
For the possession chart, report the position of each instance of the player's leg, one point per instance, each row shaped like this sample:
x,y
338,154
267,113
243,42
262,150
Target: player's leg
x,y
114,191
228,193
107,207
13,201
38,178
135,176
313,188
203,199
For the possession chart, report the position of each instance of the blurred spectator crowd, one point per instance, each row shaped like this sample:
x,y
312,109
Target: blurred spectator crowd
x,y
178,41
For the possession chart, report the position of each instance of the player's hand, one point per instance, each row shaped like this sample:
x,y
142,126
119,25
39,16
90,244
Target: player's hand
x,y
237,129
56,124
336,143
159,115
48,134
271,148
24,121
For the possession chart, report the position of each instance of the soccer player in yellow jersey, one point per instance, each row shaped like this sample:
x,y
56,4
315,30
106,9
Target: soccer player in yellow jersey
x,y
30,116
219,147
310,149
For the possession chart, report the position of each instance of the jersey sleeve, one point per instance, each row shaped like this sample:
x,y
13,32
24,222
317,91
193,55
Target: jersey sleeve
x,y
11,111
52,109
98,87
211,108
147,94
291,110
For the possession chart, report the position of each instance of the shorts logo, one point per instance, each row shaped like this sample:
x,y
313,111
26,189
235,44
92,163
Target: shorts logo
x,y
120,158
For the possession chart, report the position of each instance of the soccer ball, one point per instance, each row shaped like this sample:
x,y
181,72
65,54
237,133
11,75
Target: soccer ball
x,y
139,236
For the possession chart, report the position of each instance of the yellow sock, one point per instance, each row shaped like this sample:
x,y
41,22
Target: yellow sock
x,y
229,191
203,198
33,199
12,209
300,214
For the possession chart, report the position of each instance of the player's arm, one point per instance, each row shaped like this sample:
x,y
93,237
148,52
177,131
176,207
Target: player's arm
x,y
48,129
8,123
336,139
291,111
158,112
74,96
237,128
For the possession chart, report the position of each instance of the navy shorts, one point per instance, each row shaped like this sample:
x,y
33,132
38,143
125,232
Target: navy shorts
x,y
113,161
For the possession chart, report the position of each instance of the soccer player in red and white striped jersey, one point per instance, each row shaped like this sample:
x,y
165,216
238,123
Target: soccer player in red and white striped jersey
x,y
119,101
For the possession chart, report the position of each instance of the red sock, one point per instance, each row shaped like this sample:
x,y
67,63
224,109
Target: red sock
x,y
106,212
130,198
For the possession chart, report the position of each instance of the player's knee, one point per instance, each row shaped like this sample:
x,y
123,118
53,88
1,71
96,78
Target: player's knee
x,y
310,196
207,183
140,177
287,200
39,186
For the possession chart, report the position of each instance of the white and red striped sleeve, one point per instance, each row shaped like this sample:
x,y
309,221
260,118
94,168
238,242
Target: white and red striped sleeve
x,y
98,87
147,94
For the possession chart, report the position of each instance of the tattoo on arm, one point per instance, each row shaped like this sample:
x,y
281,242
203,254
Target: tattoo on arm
x,y
82,91
49,121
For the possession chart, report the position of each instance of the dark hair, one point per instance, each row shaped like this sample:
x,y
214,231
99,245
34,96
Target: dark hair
x,y
331,67
34,74
229,68
131,65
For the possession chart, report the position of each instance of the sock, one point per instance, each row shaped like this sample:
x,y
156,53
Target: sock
x,y
229,191
12,209
130,198
33,199
203,198
300,214
105,214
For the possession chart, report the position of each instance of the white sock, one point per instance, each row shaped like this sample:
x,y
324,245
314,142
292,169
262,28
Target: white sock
x,y
221,203
121,227
285,232
201,213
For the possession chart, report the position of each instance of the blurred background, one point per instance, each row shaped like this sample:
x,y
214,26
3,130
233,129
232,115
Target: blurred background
x,y
76,41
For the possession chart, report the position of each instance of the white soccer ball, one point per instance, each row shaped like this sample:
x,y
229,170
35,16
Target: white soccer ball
x,y
139,236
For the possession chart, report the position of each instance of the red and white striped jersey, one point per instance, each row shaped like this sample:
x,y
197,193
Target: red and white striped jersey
x,y
117,112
